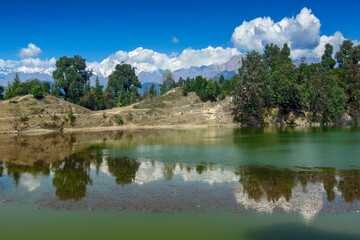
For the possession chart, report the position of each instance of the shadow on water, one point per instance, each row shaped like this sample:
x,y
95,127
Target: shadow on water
x,y
296,232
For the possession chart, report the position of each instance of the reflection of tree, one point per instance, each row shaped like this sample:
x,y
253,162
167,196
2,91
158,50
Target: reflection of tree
x,y
1,168
276,183
169,169
272,182
72,176
96,157
123,169
15,170
200,168
349,185
329,182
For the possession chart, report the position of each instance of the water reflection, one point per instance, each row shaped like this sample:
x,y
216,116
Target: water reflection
x,y
123,169
185,170
71,176
1,168
149,184
15,170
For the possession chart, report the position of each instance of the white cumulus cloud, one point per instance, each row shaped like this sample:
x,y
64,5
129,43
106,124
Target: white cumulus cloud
x,y
8,63
31,51
302,33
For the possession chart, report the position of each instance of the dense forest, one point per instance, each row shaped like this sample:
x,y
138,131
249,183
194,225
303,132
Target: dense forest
x,y
267,84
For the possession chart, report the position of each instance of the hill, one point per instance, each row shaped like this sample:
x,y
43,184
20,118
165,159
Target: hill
x,y
171,109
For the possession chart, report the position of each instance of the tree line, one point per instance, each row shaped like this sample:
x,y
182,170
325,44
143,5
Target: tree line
x,y
270,84
72,83
270,81
18,88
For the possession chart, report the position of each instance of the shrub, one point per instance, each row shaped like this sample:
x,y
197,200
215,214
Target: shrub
x,y
36,91
119,120
24,119
71,117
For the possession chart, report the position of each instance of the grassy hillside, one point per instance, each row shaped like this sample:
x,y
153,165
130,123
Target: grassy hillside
x,y
50,113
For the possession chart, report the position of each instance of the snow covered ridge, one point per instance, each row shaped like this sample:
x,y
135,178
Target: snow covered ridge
x,y
27,65
208,62
144,60
147,60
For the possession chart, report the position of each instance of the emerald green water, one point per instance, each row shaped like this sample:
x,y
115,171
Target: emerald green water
x,y
250,183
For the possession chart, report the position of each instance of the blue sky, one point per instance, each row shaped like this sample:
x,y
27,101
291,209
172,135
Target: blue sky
x,y
96,29
33,34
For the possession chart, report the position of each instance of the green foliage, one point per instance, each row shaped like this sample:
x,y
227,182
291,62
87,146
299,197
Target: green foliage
x,y
37,91
327,59
249,105
133,96
24,119
326,100
98,92
180,82
1,92
211,91
152,91
109,100
45,87
351,78
34,87
121,84
249,97
71,78
71,117
221,79
168,82
89,101
272,81
11,89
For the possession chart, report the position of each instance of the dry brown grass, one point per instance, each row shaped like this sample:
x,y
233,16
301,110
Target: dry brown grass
x,y
170,109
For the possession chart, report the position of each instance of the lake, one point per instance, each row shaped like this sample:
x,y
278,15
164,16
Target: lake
x,y
217,183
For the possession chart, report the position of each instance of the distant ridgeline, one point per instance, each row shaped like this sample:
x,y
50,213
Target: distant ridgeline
x,y
267,87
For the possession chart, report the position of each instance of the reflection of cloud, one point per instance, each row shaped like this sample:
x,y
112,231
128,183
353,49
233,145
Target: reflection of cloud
x,y
29,181
152,171
104,168
148,172
308,202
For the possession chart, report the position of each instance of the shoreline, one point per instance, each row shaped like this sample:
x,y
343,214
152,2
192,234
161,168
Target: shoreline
x,y
32,132
40,131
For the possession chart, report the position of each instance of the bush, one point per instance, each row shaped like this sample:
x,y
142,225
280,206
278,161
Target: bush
x,y
71,117
36,91
24,119
119,120
130,116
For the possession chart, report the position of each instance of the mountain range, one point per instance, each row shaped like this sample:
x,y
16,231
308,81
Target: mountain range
x,y
228,69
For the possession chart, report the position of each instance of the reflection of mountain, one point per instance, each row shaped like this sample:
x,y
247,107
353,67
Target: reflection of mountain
x,y
305,200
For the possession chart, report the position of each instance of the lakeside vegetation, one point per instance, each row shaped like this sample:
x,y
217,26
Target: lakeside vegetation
x,y
267,84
